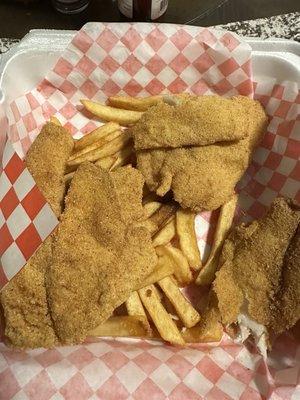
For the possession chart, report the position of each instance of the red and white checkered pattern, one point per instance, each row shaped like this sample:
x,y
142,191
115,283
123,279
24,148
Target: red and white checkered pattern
x,y
142,59
275,169
132,59
136,369
26,219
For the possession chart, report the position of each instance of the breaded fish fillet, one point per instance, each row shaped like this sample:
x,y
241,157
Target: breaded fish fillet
x,y
27,320
287,303
195,121
46,161
202,176
99,255
255,284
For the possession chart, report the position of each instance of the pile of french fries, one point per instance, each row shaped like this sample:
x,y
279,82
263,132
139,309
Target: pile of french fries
x,y
158,309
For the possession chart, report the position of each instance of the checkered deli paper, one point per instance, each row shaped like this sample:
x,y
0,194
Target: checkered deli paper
x,y
139,60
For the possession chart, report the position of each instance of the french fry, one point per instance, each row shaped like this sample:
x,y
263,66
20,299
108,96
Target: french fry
x,y
150,226
205,334
107,162
164,267
168,306
117,163
69,177
182,271
96,135
185,226
134,103
119,327
148,196
134,305
161,319
135,308
123,157
110,163
106,150
55,121
165,235
142,103
118,159
186,312
151,207
207,330
95,145
107,113
207,273
159,218
163,215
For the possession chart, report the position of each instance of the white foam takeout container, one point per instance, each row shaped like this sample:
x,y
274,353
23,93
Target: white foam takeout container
x,y
25,65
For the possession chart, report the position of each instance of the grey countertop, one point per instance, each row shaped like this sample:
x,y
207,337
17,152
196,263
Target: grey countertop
x,y
285,26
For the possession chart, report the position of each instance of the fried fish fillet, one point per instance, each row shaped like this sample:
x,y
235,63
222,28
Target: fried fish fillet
x,y
99,255
27,320
195,121
287,303
200,157
256,285
46,161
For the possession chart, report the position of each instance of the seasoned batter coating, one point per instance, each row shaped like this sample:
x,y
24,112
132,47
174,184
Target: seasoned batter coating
x,y
195,121
287,303
99,255
46,160
200,176
27,320
259,271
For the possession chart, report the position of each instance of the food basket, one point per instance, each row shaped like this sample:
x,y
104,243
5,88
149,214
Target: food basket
x,y
142,59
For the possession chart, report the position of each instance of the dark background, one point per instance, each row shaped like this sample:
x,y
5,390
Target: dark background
x,y
16,18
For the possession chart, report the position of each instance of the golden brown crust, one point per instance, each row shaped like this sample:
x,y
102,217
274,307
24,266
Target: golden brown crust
x,y
197,121
200,177
287,303
24,302
204,177
252,265
99,256
27,320
128,183
46,161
